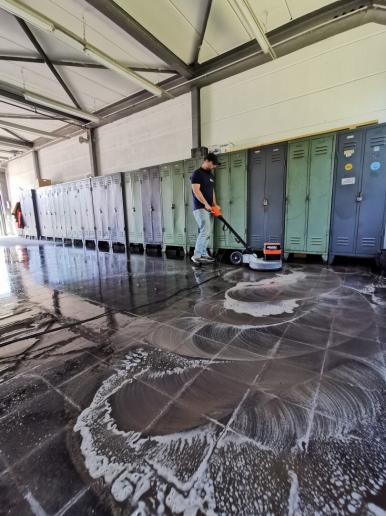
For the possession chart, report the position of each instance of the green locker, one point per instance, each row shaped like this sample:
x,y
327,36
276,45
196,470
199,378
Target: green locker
x,y
134,206
173,204
309,189
231,193
190,165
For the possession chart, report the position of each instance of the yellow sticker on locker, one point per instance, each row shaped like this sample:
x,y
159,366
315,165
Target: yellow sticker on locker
x,y
348,166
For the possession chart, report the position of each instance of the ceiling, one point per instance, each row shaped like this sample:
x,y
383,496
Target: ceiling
x,y
188,35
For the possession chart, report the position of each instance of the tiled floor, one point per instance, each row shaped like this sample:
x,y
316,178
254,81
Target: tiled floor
x,y
150,387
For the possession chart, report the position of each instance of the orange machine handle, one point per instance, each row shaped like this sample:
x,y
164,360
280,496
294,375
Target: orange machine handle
x,y
216,212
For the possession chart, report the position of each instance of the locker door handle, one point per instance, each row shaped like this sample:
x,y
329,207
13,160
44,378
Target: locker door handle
x,y
173,206
133,210
359,197
151,208
265,202
307,198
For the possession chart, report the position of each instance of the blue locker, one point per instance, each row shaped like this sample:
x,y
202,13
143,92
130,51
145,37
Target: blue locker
x,y
357,227
266,176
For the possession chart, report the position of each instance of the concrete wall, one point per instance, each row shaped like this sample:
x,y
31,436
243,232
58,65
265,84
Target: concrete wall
x,y
20,175
334,83
65,161
157,135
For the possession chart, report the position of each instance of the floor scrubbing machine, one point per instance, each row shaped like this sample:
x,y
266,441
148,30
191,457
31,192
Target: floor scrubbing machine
x,y
271,260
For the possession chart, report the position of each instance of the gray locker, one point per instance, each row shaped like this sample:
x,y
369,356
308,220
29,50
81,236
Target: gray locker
x,y
151,206
29,212
358,215
266,193
58,203
43,199
134,215
74,200
108,209
86,210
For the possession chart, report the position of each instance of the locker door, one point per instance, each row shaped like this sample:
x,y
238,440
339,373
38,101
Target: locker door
x,y
87,214
190,165
296,191
320,189
146,207
238,192
179,203
60,212
373,193
274,193
134,206
256,190
116,215
100,208
167,202
348,175
155,188
77,202
222,189
70,216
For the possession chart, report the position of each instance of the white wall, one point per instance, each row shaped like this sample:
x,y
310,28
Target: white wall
x,y
65,161
20,175
157,135
330,84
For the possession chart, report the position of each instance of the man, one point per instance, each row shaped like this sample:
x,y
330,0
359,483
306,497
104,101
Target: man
x,y
204,198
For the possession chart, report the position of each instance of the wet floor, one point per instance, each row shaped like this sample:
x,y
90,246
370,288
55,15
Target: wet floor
x,y
149,387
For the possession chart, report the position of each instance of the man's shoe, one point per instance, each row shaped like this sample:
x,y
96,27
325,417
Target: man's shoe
x,y
196,259
207,259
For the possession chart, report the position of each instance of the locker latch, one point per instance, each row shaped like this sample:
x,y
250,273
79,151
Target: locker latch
x,y
265,202
133,210
173,206
359,197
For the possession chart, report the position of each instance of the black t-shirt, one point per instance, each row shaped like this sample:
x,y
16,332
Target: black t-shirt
x,y
206,181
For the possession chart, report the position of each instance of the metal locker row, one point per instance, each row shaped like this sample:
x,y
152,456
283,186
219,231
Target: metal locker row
x,y
308,195
173,204
29,212
108,209
231,194
266,192
359,204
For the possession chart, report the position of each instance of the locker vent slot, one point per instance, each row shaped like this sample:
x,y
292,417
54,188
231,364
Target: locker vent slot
x,y
276,156
320,150
368,242
377,141
237,162
298,153
294,240
350,145
316,241
258,160
342,241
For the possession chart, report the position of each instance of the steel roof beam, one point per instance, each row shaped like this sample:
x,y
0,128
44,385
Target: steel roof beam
x,y
47,61
202,31
81,64
15,143
128,24
16,97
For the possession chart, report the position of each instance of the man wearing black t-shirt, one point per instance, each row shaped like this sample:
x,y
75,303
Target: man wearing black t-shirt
x,y
203,199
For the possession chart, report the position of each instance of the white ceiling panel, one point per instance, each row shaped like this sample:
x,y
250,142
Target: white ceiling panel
x,y
81,19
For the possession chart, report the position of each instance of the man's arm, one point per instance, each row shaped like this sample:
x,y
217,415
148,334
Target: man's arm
x,y
196,187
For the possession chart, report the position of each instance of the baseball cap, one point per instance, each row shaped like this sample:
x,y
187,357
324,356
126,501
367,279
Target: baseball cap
x,y
213,158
